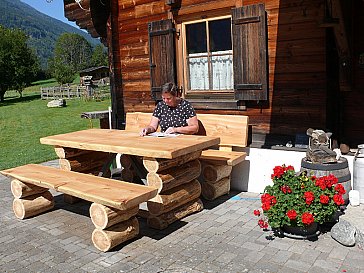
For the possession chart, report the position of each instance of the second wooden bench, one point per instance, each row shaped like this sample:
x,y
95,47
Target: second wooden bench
x,y
113,211
217,164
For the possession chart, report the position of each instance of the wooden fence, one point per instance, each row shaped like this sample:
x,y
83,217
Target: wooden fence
x,y
62,92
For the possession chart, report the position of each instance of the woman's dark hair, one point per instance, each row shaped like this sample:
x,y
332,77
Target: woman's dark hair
x,y
171,88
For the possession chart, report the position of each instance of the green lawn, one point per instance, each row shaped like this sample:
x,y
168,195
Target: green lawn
x,y
23,121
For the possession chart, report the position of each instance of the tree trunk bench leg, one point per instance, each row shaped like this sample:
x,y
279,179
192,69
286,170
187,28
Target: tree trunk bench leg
x,y
106,239
33,205
215,180
113,226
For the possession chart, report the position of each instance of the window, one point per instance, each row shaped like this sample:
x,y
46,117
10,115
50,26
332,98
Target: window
x,y
220,62
208,55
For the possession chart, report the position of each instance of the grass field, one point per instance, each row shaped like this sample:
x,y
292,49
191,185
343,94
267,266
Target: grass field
x,y
24,120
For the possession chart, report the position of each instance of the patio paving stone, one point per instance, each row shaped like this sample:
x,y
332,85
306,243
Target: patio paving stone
x,y
224,237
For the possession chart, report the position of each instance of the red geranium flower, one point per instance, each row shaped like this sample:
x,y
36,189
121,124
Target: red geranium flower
x,y
286,189
257,212
338,199
324,199
278,171
309,196
292,214
262,223
307,218
266,206
330,180
265,197
283,201
339,188
321,183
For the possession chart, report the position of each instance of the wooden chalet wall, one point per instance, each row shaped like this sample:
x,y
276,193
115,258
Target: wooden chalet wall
x,y
352,117
296,52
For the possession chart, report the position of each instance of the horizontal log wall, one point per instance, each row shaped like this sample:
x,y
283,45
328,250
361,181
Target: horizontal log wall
x,y
353,102
296,54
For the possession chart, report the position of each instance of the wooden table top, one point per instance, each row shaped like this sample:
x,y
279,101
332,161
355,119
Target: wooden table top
x,y
127,142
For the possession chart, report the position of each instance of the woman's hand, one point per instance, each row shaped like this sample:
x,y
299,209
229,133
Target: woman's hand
x,y
144,131
171,130
151,128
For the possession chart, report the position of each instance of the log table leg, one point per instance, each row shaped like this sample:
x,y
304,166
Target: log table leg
x,y
178,188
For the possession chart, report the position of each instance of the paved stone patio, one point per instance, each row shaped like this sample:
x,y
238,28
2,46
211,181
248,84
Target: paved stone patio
x,y
224,237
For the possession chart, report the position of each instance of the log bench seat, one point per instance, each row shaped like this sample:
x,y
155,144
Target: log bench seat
x,y
115,203
217,164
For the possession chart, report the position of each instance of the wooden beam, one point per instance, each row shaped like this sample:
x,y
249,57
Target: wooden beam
x,y
342,46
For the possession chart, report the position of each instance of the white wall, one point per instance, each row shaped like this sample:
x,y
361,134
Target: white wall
x,y
253,174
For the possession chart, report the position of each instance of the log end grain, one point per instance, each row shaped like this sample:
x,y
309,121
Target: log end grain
x,y
103,217
21,190
107,239
33,205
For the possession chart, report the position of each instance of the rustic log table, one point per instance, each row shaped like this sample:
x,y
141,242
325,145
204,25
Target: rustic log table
x,y
171,162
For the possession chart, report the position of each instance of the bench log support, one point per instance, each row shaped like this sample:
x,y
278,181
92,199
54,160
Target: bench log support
x,y
115,203
33,205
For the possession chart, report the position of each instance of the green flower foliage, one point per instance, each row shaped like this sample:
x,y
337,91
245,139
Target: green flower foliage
x,y
298,199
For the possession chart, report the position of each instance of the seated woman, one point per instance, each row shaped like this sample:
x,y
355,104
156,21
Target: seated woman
x,y
173,114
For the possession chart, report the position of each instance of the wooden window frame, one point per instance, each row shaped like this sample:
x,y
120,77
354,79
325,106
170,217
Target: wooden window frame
x,y
182,65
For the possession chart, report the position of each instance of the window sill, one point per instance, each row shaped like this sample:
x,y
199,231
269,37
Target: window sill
x,y
217,104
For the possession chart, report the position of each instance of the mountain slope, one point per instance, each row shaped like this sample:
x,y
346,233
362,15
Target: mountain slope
x,y
43,30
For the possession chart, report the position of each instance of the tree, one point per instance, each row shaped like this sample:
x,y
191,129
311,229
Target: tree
x,y
72,53
99,56
18,63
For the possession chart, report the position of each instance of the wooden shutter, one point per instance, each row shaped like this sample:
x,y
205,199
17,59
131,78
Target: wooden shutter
x,y
161,55
250,52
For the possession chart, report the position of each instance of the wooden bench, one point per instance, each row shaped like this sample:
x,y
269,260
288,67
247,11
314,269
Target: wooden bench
x,y
115,203
217,164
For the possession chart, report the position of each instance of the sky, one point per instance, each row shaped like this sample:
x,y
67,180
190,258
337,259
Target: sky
x,y
52,8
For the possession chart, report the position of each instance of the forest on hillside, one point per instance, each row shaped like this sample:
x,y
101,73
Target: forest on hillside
x,y
43,31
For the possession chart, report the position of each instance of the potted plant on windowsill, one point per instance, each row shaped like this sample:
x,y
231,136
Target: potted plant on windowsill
x,y
296,203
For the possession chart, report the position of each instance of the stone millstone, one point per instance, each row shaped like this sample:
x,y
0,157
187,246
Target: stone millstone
x,y
344,233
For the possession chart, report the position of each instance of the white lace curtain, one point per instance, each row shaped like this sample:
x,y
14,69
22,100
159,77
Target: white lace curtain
x,y
222,71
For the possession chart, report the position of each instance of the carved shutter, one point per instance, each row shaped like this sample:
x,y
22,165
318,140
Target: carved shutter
x,y
161,55
250,52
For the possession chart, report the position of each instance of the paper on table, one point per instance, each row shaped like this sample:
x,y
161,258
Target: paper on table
x,y
160,134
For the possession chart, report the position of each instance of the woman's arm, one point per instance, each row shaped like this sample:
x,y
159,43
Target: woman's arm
x,y
190,129
151,128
